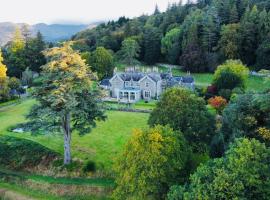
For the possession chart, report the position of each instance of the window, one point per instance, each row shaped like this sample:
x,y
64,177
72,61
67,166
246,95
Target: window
x,y
132,96
146,84
126,83
147,94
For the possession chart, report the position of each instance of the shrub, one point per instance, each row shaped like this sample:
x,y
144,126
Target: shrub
x,y
90,166
218,102
230,75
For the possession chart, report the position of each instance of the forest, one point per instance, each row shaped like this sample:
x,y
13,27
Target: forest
x,y
198,36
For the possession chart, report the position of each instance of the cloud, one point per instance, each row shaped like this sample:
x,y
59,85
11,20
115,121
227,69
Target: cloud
x,y
79,11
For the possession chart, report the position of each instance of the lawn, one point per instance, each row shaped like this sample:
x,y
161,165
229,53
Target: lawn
x,y
101,145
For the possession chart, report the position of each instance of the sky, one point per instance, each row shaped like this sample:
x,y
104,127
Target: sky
x,y
75,11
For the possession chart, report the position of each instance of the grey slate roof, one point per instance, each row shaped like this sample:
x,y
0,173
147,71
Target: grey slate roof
x,y
105,82
135,76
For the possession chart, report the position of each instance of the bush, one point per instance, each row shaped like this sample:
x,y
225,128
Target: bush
x,y
90,166
218,103
230,75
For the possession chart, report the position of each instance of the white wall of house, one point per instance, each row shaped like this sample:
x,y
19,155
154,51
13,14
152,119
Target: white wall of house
x,y
116,84
148,85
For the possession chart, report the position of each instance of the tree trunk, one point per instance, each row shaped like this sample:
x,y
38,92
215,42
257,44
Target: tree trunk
x,y
67,138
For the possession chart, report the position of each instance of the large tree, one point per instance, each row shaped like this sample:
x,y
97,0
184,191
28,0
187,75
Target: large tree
x,y
171,45
67,98
151,162
129,51
151,43
243,173
15,58
185,112
229,43
3,80
33,52
101,61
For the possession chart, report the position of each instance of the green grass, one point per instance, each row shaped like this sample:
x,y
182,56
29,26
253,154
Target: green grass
x,y
101,145
20,191
100,182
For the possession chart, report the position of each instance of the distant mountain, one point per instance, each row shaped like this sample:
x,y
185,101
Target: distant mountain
x,y
51,33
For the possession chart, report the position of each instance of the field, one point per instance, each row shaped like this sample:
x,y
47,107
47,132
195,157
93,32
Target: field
x,y
100,146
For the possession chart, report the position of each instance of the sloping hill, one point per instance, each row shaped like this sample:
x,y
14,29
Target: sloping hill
x,y
51,33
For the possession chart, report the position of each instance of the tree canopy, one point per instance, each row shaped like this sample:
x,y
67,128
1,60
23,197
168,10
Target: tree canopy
x,y
151,162
182,110
243,173
67,98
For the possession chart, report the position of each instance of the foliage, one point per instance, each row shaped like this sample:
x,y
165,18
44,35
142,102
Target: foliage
x,y
218,102
101,61
67,93
229,41
4,89
90,166
33,52
151,43
185,112
170,45
151,162
14,83
3,68
230,75
27,77
247,116
129,51
263,60
23,52
211,32
243,173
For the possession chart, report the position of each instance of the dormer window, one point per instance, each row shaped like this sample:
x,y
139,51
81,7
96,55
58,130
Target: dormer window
x,y
126,83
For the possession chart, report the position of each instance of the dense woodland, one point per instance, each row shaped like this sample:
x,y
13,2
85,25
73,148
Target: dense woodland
x,y
197,36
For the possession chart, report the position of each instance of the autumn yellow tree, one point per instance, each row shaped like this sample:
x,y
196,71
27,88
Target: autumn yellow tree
x,y
3,80
68,99
3,68
17,41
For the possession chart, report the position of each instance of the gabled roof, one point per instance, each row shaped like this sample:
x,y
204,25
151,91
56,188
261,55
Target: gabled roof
x,y
128,76
105,82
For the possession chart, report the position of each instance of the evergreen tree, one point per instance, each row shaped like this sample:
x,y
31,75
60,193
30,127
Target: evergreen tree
x,y
229,43
171,45
68,99
151,38
129,51
33,52
249,36
15,55
101,61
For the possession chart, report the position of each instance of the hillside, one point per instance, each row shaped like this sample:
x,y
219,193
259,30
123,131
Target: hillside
x,y
208,32
51,33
